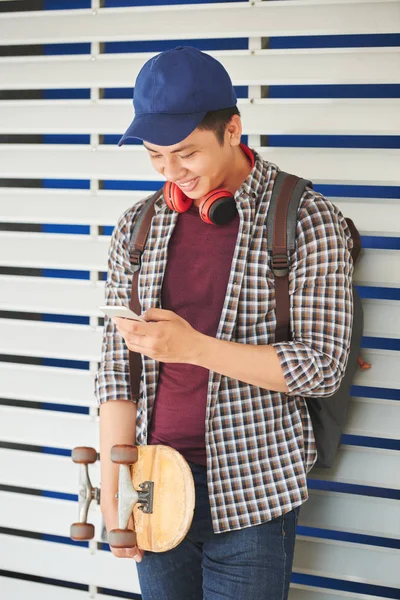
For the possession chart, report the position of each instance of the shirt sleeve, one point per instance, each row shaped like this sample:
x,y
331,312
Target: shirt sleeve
x,y
321,300
112,377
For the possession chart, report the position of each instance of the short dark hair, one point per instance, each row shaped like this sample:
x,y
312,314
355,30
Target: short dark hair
x,y
217,120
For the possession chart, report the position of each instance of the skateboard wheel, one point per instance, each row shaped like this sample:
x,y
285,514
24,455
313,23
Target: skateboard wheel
x,y
84,455
122,538
124,454
82,531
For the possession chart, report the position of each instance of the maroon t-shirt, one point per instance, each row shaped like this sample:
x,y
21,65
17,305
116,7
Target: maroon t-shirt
x,y
194,287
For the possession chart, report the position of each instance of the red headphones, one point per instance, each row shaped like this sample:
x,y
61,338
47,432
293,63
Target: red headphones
x,y
218,207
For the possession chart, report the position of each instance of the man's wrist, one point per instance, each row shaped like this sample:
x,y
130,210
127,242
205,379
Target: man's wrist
x,y
198,349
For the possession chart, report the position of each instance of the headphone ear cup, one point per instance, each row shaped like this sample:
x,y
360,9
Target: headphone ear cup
x,y
218,207
175,199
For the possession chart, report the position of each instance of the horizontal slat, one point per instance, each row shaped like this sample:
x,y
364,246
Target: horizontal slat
x,y
324,510
373,216
75,207
51,340
367,417
351,513
374,418
43,471
362,116
74,386
346,561
313,66
68,563
47,428
355,465
381,318
47,384
51,295
374,267
50,516
221,21
339,560
363,466
14,589
379,268
363,166
54,250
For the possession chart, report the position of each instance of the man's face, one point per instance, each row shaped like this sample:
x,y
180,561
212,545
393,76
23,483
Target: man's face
x,y
196,165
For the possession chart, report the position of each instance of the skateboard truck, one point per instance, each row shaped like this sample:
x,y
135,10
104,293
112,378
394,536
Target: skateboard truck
x,y
128,496
86,493
84,456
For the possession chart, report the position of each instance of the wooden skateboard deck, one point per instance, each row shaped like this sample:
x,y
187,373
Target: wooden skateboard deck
x,y
173,498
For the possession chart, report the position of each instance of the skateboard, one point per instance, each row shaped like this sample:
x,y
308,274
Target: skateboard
x,y
155,486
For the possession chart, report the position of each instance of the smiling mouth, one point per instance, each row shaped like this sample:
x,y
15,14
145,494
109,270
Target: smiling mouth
x,y
189,185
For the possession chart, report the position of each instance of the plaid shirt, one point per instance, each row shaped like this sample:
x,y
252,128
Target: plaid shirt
x,y
259,443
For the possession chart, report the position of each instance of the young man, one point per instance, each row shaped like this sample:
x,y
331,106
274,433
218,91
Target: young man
x,y
215,385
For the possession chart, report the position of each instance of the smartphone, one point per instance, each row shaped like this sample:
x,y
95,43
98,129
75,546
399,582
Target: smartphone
x,y
121,311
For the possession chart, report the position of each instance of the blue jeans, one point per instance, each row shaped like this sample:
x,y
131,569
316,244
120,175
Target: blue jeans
x,y
254,563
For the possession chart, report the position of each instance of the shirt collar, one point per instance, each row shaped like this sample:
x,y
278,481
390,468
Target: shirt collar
x,y
254,185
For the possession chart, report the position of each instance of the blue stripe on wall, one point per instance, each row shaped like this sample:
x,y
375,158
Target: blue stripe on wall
x,y
389,90
65,274
350,488
334,141
362,391
67,229
161,45
344,536
59,49
121,3
76,184
67,94
335,41
74,319
358,191
379,343
69,364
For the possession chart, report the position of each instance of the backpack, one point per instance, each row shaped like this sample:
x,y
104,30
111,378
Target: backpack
x,y
328,414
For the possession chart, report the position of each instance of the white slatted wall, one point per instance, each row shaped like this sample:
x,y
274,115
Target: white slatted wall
x,y
349,529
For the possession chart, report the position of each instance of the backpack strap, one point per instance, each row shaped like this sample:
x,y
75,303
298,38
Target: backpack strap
x,y
137,243
281,239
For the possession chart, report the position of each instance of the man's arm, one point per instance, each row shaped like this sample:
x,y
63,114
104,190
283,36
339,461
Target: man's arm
x,y
320,286
112,390
257,365
117,426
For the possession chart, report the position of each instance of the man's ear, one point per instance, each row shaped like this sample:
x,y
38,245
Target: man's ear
x,y
234,130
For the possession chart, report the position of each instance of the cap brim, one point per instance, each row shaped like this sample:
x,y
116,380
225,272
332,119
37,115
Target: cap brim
x,y
162,129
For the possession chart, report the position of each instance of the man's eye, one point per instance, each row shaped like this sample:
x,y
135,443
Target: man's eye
x,y
189,155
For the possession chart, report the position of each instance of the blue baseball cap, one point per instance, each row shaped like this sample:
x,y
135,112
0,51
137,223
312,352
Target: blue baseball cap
x,y
174,91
